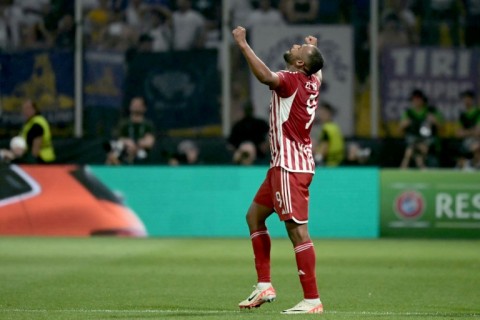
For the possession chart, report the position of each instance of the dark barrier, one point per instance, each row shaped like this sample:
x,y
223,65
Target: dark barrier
x,y
182,89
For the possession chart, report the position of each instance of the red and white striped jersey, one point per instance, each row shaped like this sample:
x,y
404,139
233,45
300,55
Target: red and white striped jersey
x,y
292,111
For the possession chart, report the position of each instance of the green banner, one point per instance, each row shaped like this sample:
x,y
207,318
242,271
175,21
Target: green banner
x,y
430,203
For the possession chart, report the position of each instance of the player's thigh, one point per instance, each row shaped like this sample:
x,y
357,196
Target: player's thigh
x,y
264,193
257,214
292,195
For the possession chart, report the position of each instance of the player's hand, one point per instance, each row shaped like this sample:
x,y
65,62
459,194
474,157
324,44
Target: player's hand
x,y
311,40
240,35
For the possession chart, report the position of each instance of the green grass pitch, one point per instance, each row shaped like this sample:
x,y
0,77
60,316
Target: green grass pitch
x,y
155,278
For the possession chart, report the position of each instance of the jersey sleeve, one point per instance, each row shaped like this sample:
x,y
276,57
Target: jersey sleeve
x,y
287,85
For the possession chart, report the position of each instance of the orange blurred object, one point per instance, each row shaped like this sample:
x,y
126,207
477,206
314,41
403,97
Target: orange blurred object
x,y
48,200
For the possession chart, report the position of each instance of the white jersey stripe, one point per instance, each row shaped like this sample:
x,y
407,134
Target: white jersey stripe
x,y
288,152
286,187
304,160
297,162
278,129
289,195
284,193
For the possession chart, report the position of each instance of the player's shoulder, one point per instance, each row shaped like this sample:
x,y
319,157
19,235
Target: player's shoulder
x,y
292,76
289,72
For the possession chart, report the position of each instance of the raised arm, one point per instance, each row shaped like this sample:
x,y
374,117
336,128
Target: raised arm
x,y
258,67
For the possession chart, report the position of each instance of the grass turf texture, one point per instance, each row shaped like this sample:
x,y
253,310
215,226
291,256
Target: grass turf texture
x,y
108,278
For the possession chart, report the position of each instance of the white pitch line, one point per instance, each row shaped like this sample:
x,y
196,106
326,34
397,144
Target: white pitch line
x,y
160,311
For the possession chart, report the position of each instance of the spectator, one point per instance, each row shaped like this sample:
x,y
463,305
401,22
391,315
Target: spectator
x,y
420,125
472,23
300,11
469,132
96,22
135,15
440,21
10,21
265,15
36,132
392,34
119,36
239,11
188,153
161,31
407,22
188,27
135,137
211,10
331,147
38,24
253,130
65,37
33,11
35,36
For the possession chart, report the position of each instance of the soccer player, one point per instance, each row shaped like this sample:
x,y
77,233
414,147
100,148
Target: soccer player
x,y
285,189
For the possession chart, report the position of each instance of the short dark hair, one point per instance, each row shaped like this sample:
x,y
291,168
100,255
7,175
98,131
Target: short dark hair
x,y
314,61
417,93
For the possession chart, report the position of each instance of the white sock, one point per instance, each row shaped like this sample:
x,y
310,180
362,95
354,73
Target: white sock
x,y
263,285
313,301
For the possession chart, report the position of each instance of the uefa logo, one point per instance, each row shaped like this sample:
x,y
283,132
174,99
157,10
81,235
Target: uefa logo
x,y
409,205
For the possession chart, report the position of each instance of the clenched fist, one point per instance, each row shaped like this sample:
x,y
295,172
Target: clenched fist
x,y
311,40
239,34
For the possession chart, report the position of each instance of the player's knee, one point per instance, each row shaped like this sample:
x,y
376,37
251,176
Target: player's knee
x,y
255,219
298,233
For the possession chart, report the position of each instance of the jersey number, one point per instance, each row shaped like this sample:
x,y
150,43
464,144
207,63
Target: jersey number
x,y
311,106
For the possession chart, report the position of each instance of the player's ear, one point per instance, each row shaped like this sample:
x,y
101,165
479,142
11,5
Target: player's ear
x,y
299,63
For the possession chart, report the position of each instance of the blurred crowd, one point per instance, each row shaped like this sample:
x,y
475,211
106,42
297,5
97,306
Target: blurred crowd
x,y
110,24
187,24
163,25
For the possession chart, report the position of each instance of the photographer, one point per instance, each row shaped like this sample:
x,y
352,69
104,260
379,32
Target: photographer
x,y
420,125
135,137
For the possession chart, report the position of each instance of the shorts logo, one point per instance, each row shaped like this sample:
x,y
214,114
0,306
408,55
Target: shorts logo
x,y
409,205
